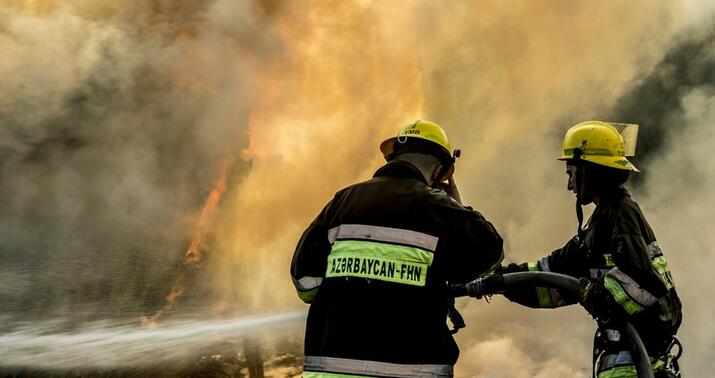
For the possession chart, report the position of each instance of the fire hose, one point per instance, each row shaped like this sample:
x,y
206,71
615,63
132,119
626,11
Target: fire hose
x,y
478,289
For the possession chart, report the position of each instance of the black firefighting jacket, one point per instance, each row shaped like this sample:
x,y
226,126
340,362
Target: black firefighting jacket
x,y
375,266
631,279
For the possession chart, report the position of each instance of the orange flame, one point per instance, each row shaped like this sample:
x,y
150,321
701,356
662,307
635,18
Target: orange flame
x,y
194,252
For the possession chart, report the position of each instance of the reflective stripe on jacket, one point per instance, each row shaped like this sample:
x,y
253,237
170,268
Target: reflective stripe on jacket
x,y
374,265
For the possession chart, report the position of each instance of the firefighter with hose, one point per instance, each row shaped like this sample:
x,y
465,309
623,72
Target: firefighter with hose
x,y
623,272
377,263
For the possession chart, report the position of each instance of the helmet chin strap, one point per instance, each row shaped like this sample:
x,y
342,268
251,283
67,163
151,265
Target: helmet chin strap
x,y
577,186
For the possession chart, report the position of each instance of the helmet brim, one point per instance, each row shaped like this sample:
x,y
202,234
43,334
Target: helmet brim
x,y
616,162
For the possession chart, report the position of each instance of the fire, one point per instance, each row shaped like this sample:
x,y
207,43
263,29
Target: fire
x,y
196,248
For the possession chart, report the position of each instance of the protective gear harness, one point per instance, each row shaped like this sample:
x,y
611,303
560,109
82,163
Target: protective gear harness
x,y
628,278
375,265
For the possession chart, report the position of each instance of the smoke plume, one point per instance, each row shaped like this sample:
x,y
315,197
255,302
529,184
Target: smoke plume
x,y
115,117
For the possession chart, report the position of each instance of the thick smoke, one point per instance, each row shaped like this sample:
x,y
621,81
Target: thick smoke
x,y
115,117
676,103
113,129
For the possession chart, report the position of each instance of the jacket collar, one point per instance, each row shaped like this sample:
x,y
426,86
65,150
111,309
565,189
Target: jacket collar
x,y
400,169
613,195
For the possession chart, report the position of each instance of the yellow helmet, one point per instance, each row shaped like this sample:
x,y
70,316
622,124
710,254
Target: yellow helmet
x,y
426,130
430,132
597,142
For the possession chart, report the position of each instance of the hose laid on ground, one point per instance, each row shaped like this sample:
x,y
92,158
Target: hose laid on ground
x,y
480,287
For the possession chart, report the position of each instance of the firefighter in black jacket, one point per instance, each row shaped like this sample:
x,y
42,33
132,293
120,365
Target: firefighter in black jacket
x,y
376,262
623,271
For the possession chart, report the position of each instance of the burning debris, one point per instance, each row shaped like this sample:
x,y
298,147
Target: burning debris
x,y
195,251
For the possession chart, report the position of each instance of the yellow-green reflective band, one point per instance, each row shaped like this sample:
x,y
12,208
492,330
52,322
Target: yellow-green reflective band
x,y
307,296
317,374
628,371
661,266
620,295
543,293
380,261
619,372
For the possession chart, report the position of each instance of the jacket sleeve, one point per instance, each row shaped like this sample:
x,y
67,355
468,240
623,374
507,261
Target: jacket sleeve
x,y
634,284
565,261
479,248
310,258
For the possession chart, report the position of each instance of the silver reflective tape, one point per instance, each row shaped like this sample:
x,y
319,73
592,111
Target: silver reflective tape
x,y
556,299
610,361
654,250
621,358
613,334
307,283
383,234
544,262
632,288
598,273
375,368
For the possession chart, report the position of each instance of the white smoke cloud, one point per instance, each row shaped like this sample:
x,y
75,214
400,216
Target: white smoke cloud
x,y
114,117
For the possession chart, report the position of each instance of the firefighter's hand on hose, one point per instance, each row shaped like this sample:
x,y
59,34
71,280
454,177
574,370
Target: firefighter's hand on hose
x,y
593,297
583,295
512,268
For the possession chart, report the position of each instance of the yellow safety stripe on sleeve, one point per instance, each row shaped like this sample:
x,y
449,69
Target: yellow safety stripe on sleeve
x,y
307,296
620,295
380,261
627,292
543,293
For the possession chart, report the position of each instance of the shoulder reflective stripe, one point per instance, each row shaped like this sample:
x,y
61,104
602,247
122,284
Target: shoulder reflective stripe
x,y
374,368
627,292
380,261
307,283
383,234
307,296
544,262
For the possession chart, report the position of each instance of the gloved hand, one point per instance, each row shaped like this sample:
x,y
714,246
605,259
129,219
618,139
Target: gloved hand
x,y
512,268
583,295
599,303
